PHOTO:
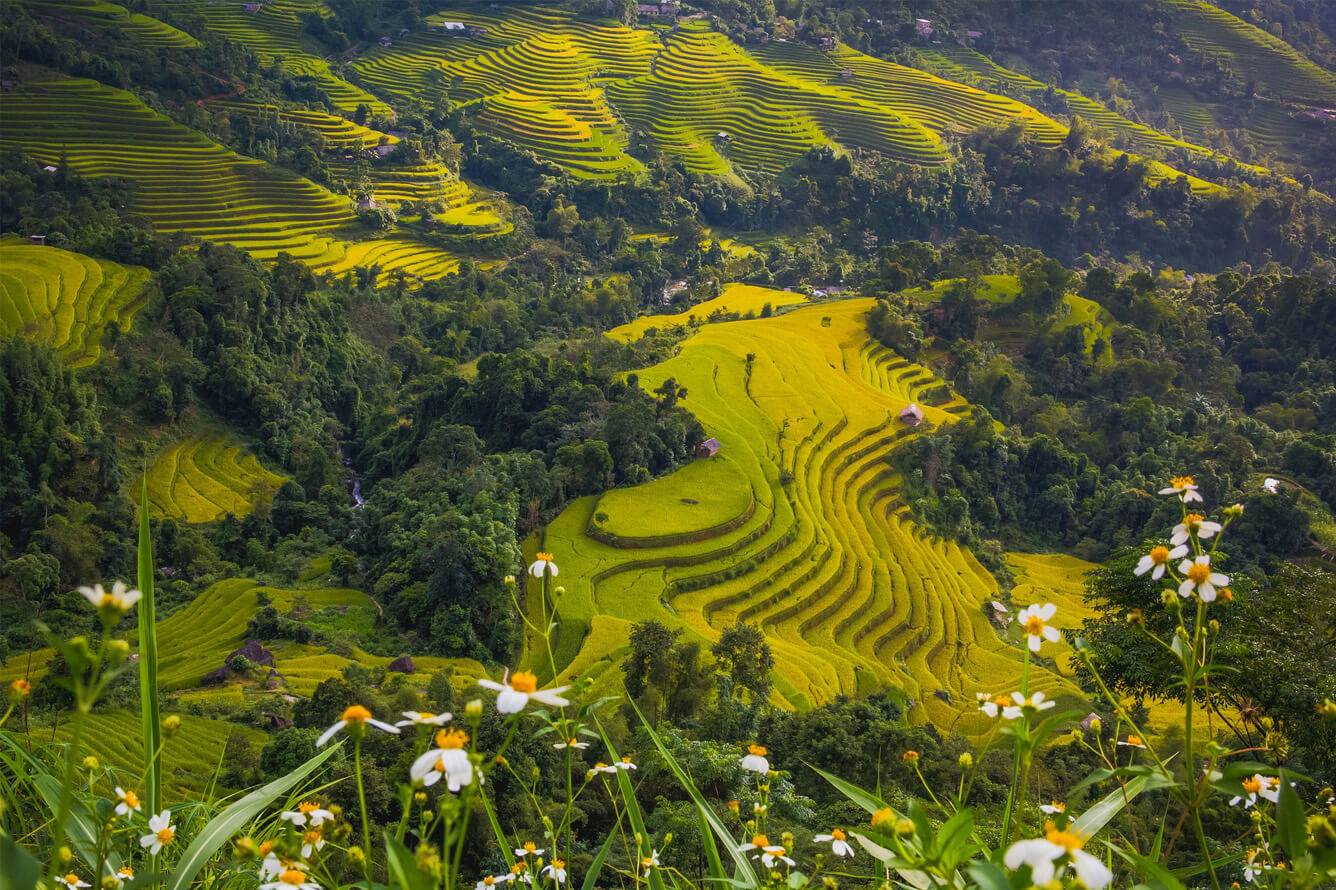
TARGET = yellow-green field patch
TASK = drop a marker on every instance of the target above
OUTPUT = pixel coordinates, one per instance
(739, 299)
(207, 477)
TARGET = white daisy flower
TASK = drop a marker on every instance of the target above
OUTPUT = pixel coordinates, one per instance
(162, 833)
(291, 879)
(355, 719)
(1044, 855)
(1265, 787)
(1033, 620)
(556, 870)
(271, 867)
(1132, 741)
(542, 565)
(127, 802)
(1185, 487)
(121, 597)
(307, 811)
(1195, 524)
(754, 760)
(1022, 704)
(650, 862)
(529, 849)
(991, 706)
(1199, 579)
(424, 718)
(1052, 809)
(774, 854)
(1252, 869)
(448, 759)
(758, 842)
(838, 840)
(490, 881)
(312, 842)
(624, 764)
(521, 687)
(571, 743)
(1157, 560)
(72, 881)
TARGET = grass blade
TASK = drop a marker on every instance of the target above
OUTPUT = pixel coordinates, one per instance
(633, 813)
(596, 867)
(20, 870)
(80, 826)
(222, 827)
(148, 661)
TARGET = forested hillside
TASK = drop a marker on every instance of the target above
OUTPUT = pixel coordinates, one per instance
(787, 443)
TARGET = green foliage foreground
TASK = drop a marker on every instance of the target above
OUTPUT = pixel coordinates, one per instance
(59, 826)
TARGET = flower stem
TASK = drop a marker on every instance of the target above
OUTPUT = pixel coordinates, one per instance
(361, 804)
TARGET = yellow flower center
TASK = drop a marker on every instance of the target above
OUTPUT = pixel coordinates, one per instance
(1192, 520)
(126, 872)
(1001, 701)
(489, 880)
(356, 714)
(1253, 785)
(760, 840)
(1034, 626)
(265, 847)
(307, 807)
(131, 800)
(837, 834)
(558, 863)
(647, 861)
(530, 846)
(21, 686)
(883, 816)
(1225, 594)
(1066, 839)
(453, 738)
(1182, 482)
(294, 876)
(71, 878)
(165, 835)
(108, 599)
(311, 836)
(1059, 806)
(524, 681)
(758, 750)
(910, 757)
(1199, 572)
(1134, 740)
(572, 742)
(1159, 555)
(543, 557)
(626, 760)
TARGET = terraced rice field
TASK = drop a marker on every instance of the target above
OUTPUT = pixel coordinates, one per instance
(103, 17)
(389, 255)
(183, 181)
(190, 759)
(338, 132)
(817, 549)
(207, 477)
(65, 299)
(1277, 68)
(734, 298)
(965, 64)
(197, 639)
(274, 31)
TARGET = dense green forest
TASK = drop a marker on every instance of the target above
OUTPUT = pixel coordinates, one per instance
(315, 327)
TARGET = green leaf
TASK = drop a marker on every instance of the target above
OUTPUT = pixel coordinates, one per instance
(869, 802)
(595, 867)
(81, 827)
(150, 719)
(222, 827)
(989, 876)
(743, 873)
(21, 870)
(1290, 821)
(712, 860)
(1095, 818)
(403, 868)
(633, 813)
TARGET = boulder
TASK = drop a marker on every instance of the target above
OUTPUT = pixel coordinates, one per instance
(254, 652)
(402, 665)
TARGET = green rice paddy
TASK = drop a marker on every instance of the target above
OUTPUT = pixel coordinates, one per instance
(742, 299)
(135, 27)
(65, 300)
(207, 477)
(813, 544)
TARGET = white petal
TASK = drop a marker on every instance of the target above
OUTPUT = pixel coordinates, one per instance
(329, 733)
(1052, 634)
(1206, 592)
(1158, 573)
(1093, 873)
(386, 727)
(1178, 551)
(1218, 579)
(550, 697)
(1144, 566)
(490, 684)
(1034, 644)
(1047, 611)
(509, 701)
(1185, 589)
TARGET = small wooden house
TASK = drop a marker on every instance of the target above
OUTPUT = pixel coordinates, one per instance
(37, 239)
(923, 27)
(709, 448)
(912, 415)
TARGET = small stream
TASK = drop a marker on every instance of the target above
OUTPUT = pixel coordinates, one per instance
(355, 484)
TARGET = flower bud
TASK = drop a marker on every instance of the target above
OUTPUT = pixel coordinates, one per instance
(966, 760)
(90, 762)
(830, 883)
(19, 689)
(733, 806)
(1233, 511)
(1213, 626)
(558, 591)
(111, 882)
(1168, 598)
(335, 809)
(904, 828)
(244, 847)
(509, 581)
(171, 724)
(1225, 594)
(1327, 709)
(667, 838)
(64, 855)
(356, 856)
(473, 710)
(420, 798)
(117, 651)
(1136, 616)
(910, 757)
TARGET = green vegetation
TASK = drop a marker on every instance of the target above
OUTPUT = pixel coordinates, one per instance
(207, 477)
(143, 30)
(66, 300)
